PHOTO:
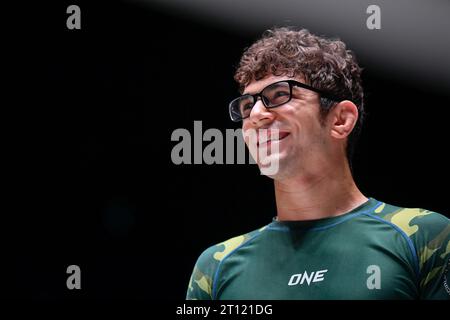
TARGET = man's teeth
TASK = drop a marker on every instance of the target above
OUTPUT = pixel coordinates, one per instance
(271, 139)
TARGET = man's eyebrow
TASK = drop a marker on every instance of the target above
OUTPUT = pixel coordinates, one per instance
(253, 92)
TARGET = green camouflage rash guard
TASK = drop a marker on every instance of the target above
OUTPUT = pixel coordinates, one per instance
(376, 251)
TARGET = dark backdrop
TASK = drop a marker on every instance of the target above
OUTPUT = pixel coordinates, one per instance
(93, 182)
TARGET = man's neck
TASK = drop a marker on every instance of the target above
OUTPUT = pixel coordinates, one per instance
(331, 193)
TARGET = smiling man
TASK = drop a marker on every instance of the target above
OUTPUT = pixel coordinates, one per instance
(328, 240)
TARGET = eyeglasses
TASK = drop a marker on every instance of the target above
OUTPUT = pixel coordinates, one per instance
(272, 96)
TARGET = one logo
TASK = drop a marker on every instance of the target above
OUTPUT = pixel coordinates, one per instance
(300, 278)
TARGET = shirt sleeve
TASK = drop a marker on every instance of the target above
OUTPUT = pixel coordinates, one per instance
(432, 241)
(201, 280)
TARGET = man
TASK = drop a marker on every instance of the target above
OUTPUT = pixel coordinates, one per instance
(328, 240)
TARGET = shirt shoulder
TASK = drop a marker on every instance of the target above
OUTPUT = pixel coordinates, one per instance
(422, 226)
(202, 278)
(429, 233)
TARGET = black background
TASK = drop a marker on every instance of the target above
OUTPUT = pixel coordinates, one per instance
(92, 179)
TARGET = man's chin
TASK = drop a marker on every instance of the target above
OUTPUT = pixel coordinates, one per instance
(278, 168)
(270, 168)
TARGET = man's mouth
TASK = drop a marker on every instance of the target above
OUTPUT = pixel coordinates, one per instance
(267, 139)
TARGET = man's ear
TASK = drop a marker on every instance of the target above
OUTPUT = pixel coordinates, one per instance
(343, 119)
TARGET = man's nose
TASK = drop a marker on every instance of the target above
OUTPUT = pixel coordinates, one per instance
(260, 113)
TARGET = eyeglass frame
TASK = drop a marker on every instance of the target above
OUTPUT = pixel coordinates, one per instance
(291, 84)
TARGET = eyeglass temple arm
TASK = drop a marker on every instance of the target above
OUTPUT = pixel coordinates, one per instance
(322, 93)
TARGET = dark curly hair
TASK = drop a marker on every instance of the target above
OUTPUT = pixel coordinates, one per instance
(324, 64)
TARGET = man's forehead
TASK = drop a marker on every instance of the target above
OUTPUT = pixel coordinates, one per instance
(257, 85)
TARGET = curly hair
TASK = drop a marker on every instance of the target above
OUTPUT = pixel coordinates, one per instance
(323, 63)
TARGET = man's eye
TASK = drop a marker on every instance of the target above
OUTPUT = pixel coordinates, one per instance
(247, 106)
(281, 94)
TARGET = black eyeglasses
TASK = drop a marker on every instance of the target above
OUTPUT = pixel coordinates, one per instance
(272, 96)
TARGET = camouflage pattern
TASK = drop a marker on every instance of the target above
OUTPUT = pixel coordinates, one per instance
(200, 284)
(414, 246)
(430, 234)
